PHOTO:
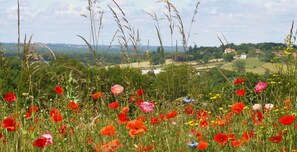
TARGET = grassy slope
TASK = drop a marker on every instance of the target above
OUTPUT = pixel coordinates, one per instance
(253, 65)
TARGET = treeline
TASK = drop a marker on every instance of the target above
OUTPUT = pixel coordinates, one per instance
(264, 51)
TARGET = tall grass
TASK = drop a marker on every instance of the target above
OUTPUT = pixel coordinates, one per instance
(127, 34)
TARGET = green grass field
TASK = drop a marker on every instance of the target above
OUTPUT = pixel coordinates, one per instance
(253, 65)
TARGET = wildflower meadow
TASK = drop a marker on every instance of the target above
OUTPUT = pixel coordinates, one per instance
(135, 122)
(62, 104)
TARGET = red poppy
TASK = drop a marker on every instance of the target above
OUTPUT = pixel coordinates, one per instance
(71, 132)
(10, 97)
(228, 116)
(257, 117)
(123, 118)
(202, 114)
(287, 108)
(221, 122)
(63, 129)
(222, 139)
(111, 146)
(162, 117)
(288, 102)
(72, 105)
(114, 105)
(231, 136)
(238, 81)
(199, 135)
(171, 114)
(142, 118)
(90, 140)
(136, 127)
(10, 124)
(282, 132)
(58, 90)
(108, 131)
(55, 115)
(287, 120)
(0, 135)
(275, 139)
(237, 107)
(202, 145)
(132, 98)
(154, 120)
(241, 92)
(36, 120)
(203, 123)
(189, 110)
(143, 148)
(28, 115)
(247, 135)
(33, 109)
(139, 101)
(97, 95)
(125, 110)
(139, 92)
(40, 142)
(236, 143)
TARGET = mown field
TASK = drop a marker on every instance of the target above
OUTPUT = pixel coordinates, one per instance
(253, 65)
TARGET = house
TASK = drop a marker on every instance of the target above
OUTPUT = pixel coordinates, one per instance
(243, 56)
(258, 51)
(229, 50)
(278, 53)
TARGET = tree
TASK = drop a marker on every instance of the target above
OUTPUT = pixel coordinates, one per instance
(252, 53)
(190, 49)
(205, 58)
(266, 56)
(158, 57)
(2, 49)
(228, 57)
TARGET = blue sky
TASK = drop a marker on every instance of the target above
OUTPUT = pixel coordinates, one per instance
(241, 21)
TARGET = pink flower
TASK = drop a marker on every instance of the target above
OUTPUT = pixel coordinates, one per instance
(117, 89)
(48, 137)
(147, 107)
(257, 107)
(260, 86)
(44, 140)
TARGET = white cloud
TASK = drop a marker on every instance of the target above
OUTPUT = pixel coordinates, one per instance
(239, 20)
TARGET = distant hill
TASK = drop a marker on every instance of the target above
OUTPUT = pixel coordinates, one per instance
(60, 48)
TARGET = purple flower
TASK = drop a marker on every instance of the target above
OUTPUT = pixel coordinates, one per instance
(192, 144)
